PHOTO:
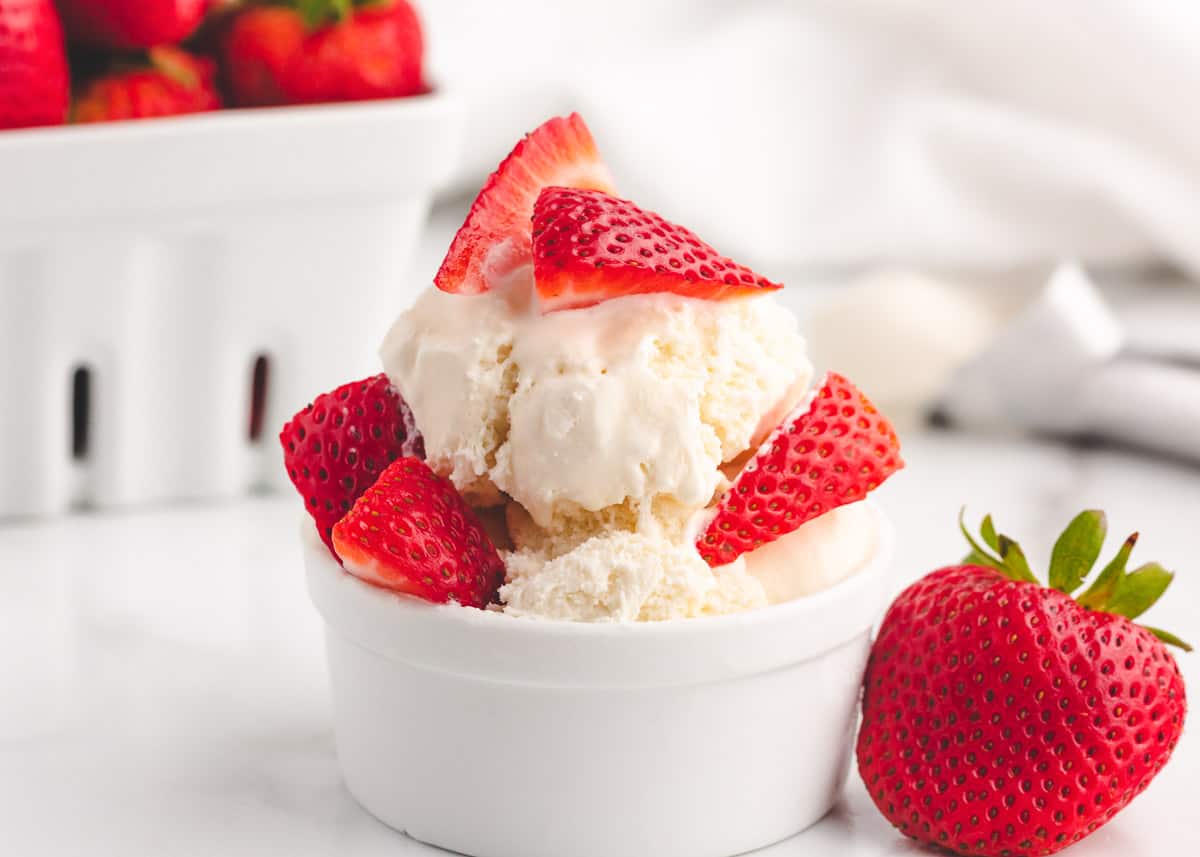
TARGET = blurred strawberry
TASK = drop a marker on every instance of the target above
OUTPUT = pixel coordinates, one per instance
(131, 24)
(308, 51)
(33, 65)
(173, 83)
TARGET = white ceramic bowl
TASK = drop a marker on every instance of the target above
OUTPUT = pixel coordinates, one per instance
(161, 259)
(502, 737)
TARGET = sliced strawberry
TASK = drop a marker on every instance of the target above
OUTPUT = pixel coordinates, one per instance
(589, 247)
(494, 240)
(826, 453)
(412, 532)
(336, 447)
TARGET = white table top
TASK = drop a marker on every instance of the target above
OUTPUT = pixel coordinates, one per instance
(162, 685)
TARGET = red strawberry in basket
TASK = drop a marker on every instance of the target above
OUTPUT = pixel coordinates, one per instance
(335, 448)
(589, 247)
(174, 83)
(328, 50)
(829, 452)
(495, 239)
(131, 24)
(1002, 717)
(33, 66)
(412, 532)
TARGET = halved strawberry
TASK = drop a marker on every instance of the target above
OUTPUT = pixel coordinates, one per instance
(494, 239)
(589, 247)
(828, 452)
(336, 447)
(412, 532)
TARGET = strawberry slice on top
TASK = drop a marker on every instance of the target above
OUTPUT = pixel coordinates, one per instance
(494, 239)
(827, 453)
(412, 532)
(590, 247)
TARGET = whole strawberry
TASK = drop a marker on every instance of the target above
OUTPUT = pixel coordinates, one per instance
(131, 24)
(335, 448)
(1005, 718)
(172, 83)
(830, 451)
(33, 66)
(311, 51)
(412, 532)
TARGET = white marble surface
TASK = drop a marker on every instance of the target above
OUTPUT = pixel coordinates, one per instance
(162, 688)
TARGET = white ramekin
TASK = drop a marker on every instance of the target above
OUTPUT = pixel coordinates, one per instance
(502, 737)
(169, 261)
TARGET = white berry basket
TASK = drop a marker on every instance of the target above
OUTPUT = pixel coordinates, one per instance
(496, 736)
(171, 291)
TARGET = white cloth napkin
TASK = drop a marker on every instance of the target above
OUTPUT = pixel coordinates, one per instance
(1068, 366)
(810, 135)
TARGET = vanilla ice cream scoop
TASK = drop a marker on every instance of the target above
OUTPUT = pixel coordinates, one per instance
(605, 433)
(632, 399)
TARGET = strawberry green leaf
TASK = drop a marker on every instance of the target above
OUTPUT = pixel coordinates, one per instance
(1015, 561)
(988, 530)
(1011, 560)
(977, 558)
(1168, 638)
(1077, 550)
(978, 554)
(1138, 590)
(1105, 585)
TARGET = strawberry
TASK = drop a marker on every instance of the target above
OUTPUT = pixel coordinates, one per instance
(330, 50)
(131, 24)
(33, 65)
(1001, 717)
(830, 451)
(336, 447)
(590, 247)
(495, 238)
(412, 532)
(174, 83)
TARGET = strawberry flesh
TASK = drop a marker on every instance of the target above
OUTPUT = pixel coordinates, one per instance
(412, 532)
(336, 447)
(827, 453)
(494, 240)
(589, 247)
